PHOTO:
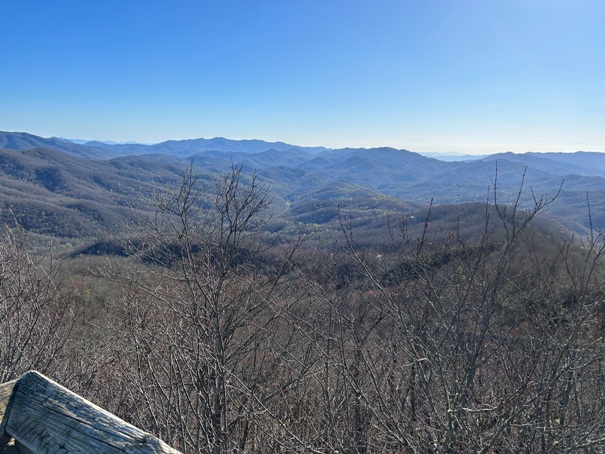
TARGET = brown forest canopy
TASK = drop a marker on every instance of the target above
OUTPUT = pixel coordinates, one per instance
(475, 328)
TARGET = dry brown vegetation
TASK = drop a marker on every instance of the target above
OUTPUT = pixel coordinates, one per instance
(478, 336)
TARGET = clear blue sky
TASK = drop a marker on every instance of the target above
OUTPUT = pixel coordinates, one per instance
(477, 76)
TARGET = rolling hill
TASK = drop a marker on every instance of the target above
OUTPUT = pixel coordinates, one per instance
(58, 188)
(25, 141)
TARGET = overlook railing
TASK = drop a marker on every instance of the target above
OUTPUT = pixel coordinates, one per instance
(38, 416)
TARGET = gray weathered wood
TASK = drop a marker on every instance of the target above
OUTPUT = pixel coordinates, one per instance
(45, 417)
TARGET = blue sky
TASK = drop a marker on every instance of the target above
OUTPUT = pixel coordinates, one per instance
(478, 76)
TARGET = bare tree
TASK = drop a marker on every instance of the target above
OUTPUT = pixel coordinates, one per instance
(202, 316)
(491, 343)
(479, 338)
(36, 316)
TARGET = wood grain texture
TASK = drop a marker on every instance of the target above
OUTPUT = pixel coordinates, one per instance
(45, 418)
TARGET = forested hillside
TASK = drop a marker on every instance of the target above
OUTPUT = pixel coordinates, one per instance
(63, 193)
(312, 301)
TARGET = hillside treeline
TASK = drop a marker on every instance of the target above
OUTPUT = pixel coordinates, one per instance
(482, 335)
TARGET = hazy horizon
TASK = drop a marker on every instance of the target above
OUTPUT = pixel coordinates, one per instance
(429, 153)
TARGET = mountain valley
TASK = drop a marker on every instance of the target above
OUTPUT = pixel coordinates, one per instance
(82, 192)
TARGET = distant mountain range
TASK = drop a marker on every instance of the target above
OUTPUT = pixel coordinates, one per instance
(60, 188)
(108, 150)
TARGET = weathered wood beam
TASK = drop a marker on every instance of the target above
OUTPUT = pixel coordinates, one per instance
(44, 417)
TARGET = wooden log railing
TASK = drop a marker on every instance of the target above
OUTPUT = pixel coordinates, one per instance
(38, 416)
